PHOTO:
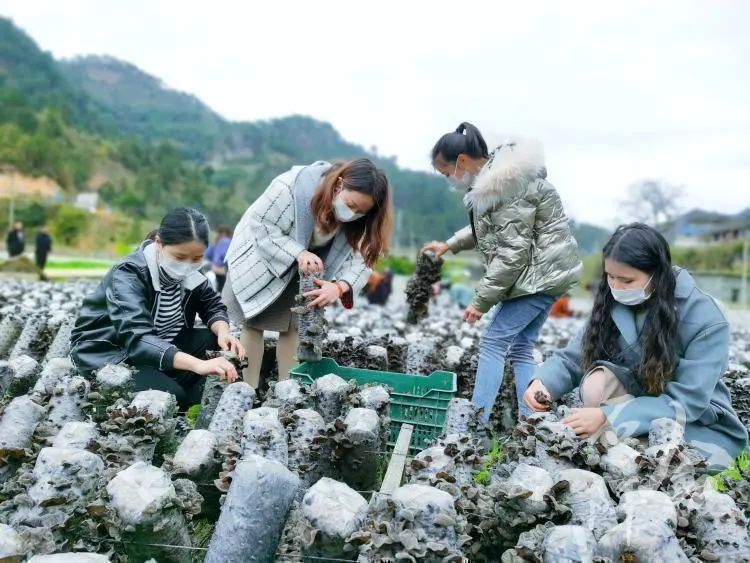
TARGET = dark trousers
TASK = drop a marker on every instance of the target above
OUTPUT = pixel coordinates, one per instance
(41, 260)
(186, 386)
(220, 281)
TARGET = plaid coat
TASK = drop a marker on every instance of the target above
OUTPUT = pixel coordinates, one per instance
(274, 230)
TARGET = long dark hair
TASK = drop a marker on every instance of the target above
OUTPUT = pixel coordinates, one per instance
(371, 234)
(182, 224)
(645, 249)
(466, 139)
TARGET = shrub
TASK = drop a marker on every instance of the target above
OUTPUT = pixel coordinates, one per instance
(70, 224)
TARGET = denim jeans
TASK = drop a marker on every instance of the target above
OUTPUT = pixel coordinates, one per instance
(511, 334)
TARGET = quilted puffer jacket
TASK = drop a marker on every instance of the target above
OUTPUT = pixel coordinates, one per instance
(519, 227)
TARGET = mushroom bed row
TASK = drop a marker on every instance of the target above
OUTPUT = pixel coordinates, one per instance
(92, 471)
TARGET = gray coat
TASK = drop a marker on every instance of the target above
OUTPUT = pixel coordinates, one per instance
(696, 395)
(274, 230)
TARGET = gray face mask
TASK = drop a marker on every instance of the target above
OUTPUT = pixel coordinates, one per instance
(632, 297)
(177, 270)
(463, 183)
(343, 212)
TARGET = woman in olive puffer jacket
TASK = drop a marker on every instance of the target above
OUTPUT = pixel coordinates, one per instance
(519, 227)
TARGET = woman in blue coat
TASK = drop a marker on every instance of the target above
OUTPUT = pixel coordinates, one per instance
(655, 346)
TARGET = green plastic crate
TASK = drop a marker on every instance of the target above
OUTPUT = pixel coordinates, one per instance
(421, 400)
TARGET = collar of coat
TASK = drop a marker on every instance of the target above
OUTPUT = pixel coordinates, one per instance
(149, 253)
(306, 182)
(510, 168)
(625, 318)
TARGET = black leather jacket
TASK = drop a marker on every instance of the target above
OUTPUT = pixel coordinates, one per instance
(116, 322)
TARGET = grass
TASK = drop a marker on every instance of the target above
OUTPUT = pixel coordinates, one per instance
(739, 471)
(192, 415)
(494, 456)
(456, 270)
(400, 265)
(202, 530)
(20, 265)
(461, 270)
(482, 477)
(456, 273)
(77, 264)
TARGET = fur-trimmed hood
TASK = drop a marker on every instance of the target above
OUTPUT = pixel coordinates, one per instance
(511, 167)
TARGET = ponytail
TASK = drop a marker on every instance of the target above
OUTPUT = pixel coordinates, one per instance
(466, 139)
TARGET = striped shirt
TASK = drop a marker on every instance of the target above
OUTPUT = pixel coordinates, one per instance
(169, 318)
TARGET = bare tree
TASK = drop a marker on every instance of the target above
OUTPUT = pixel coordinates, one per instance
(654, 202)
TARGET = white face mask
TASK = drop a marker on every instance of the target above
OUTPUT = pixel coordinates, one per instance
(631, 297)
(463, 183)
(176, 269)
(343, 212)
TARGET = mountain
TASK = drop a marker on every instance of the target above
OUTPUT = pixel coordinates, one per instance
(144, 107)
(140, 105)
(244, 157)
(96, 122)
(34, 76)
(591, 239)
(699, 223)
(147, 109)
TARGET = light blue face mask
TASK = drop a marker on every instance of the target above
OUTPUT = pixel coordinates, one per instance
(632, 297)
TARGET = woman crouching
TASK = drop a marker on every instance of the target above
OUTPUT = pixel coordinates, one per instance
(656, 346)
(143, 314)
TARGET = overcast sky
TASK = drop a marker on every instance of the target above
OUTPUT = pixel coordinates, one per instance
(616, 92)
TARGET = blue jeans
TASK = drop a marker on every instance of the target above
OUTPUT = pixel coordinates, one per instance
(511, 333)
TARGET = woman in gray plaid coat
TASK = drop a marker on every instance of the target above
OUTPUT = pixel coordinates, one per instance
(331, 220)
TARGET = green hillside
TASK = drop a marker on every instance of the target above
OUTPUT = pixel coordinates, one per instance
(99, 123)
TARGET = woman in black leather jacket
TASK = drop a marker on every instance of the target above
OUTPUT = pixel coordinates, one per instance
(143, 314)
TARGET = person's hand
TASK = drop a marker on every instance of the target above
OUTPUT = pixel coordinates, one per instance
(529, 397)
(217, 366)
(439, 248)
(310, 263)
(229, 343)
(472, 314)
(586, 422)
(326, 294)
